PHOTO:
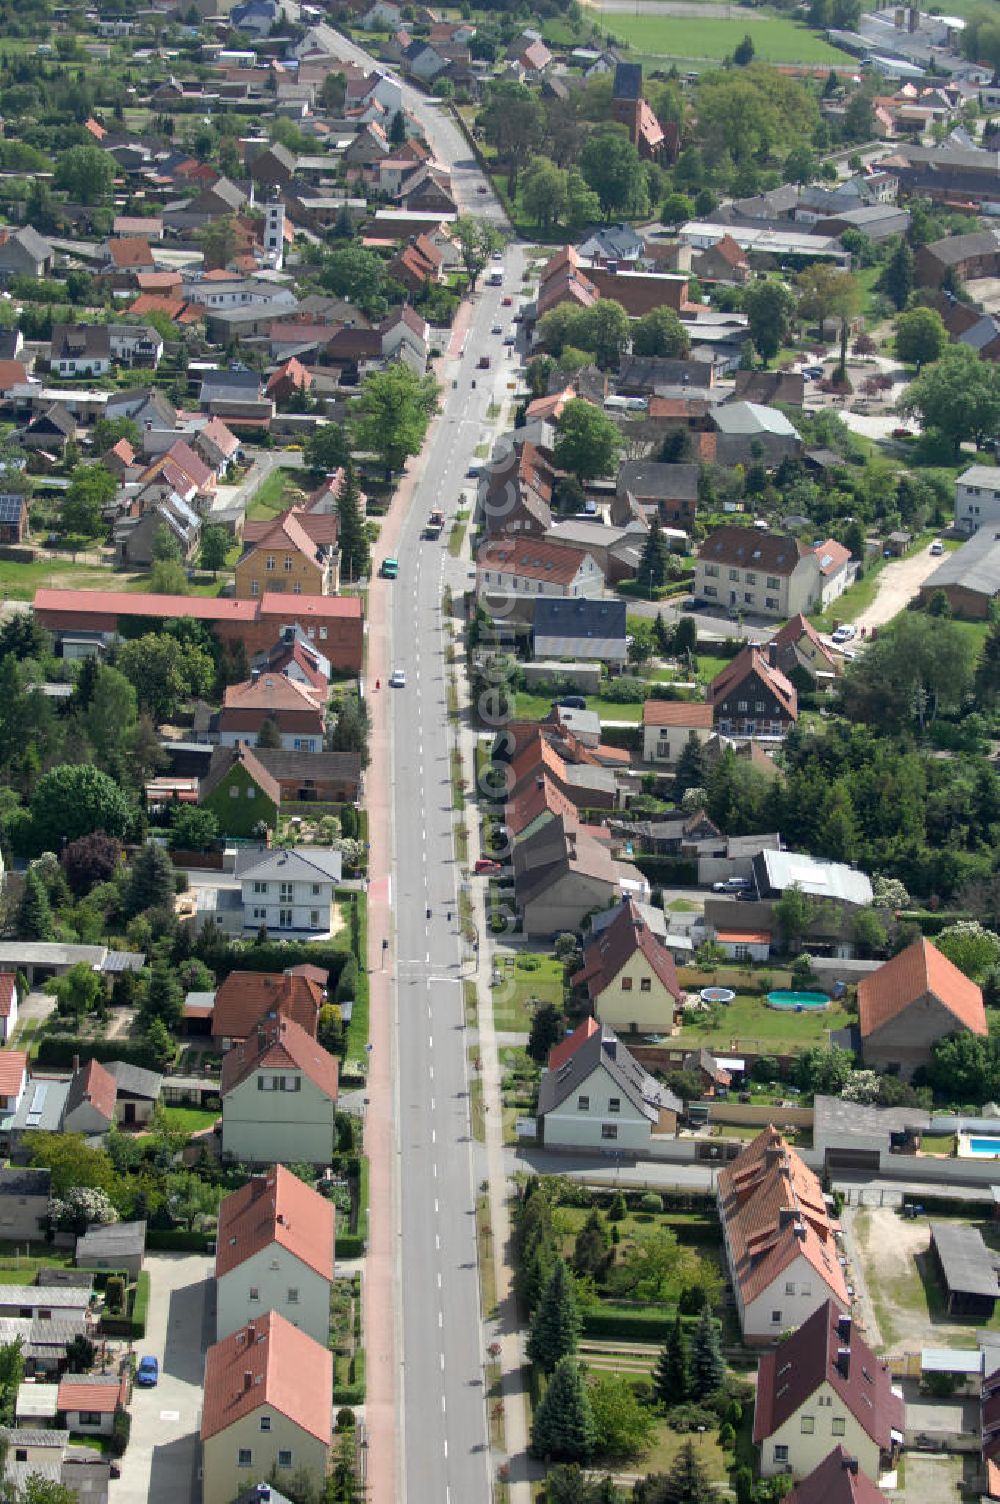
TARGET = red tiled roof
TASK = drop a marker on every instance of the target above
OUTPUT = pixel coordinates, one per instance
(791, 1375)
(103, 1395)
(245, 997)
(13, 1064)
(93, 1084)
(797, 627)
(89, 603)
(831, 556)
(677, 713)
(276, 1207)
(837, 1480)
(567, 1048)
(615, 946)
(123, 451)
(920, 968)
(533, 558)
(130, 252)
(293, 371)
(282, 1043)
(12, 373)
(765, 1196)
(8, 993)
(269, 1362)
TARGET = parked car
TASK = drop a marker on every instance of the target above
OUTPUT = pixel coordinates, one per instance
(397, 679)
(573, 702)
(148, 1373)
(732, 885)
(487, 867)
(497, 329)
(507, 302)
(483, 363)
(937, 547)
(846, 633)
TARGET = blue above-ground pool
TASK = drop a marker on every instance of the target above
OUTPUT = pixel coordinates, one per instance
(989, 1147)
(798, 1000)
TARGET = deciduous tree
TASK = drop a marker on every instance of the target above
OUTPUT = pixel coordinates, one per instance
(393, 411)
(661, 332)
(958, 396)
(73, 800)
(589, 441)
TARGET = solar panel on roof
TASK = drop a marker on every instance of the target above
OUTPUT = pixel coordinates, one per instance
(10, 508)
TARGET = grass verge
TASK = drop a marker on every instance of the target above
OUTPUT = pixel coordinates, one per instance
(487, 1269)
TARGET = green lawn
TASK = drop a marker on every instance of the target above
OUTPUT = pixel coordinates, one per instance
(775, 39)
(18, 582)
(529, 707)
(280, 490)
(189, 1119)
(520, 987)
(749, 1018)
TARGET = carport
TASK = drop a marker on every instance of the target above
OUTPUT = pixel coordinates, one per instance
(967, 1269)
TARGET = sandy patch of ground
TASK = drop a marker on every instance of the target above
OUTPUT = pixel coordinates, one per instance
(902, 1284)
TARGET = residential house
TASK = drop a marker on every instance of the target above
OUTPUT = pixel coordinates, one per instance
(910, 1002)
(518, 493)
(838, 1479)
(562, 872)
(969, 578)
(24, 253)
(977, 498)
(24, 1204)
(290, 380)
(779, 1239)
(764, 388)
(279, 1097)
(216, 445)
(667, 492)
(275, 1252)
(136, 345)
(767, 574)
(837, 570)
(137, 1091)
(747, 430)
(616, 550)
(137, 532)
(563, 281)
(406, 336)
(725, 261)
(618, 243)
(42, 1303)
(268, 1409)
(525, 566)
(752, 697)
(245, 998)
(88, 1403)
(630, 976)
(802, 655)
(294, 709)
(668, 726)
(290, 890)
(595, 1095)
(293, 554)
(582, 630)
(90, 1106)
(125, 257)
(49, 431)
(80, 349)
(823, 1387)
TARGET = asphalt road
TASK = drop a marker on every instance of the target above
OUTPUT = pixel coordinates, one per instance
(444, 1428)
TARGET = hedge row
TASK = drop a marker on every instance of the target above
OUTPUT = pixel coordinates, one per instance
(353, 1392)
(666, 870)
(177, 1240)
(132, 1328)
(59, 1050)
(648, 1324)
(278, 955)
(350, 1245)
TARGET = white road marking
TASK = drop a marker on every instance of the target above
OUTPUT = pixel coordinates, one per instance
(440, 1323)
(432, 1104)
(434, 1137)
(439, 1280)
(437, 1206)
(437, 1245)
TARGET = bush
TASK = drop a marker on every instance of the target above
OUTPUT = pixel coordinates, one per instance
(177, 1240)
(743, 1483)
(651, 1202)
(60, 1051)
(140, 1305)
(649, 1324)
(345, 1419)
(121, 1429)
(350, 1245)
(668, 871)
(686, 1418)
(727, 1436)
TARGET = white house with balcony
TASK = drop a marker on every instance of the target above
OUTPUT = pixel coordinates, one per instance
(977, 498)
(291, 892)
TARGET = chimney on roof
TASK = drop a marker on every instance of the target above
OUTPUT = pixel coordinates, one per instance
(281, 1219)
(800, 1231)
(772, 654)
(850, 1465)
(76, 1064)
(258, 1185)
(610, 1044)
(844, 1362)
(787, 1215)
(844, 1329)
(772, 1155)
(247, 1379)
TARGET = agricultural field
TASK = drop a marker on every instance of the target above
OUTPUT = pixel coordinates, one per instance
(775, 39)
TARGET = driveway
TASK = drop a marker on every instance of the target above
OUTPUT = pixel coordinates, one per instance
(928, 1476)
(164, 1455)
(229, 498)
(898, 583)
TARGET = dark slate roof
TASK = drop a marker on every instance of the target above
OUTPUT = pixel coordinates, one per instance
(650, 478)
(604, 1047)
(20, 1182)
(628, 81)
(967, 1264)
(582, 619)
(135, 1081)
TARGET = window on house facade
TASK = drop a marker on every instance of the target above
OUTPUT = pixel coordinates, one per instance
(614, 1104)
(293, 1296)
(297, 588)
(771, 602)
(712, 571)
(609, 1130)
(773, 583)
(808, 1424)
(254, 1292)
(288, 563)
(838, 1426)
(775, 1318)
(255, 587)
(269, 562)
(265, 1423)
(583, 1104)
(646, 984)
(314, 919)
(90, 1417)
(626, 984)
(244, 1457)
(711, 590)
(780, 1453)
(284, 1458)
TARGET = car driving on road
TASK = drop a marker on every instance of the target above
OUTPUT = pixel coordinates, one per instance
(397, 679)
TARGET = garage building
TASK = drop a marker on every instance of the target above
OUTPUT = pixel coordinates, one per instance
(967, 1270)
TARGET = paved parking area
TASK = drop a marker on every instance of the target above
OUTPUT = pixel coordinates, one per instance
(927, 1476)
(163, 1458)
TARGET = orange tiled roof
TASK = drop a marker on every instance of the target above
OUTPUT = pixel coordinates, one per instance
(919, 969)
(269, 1362)
(276, 1207)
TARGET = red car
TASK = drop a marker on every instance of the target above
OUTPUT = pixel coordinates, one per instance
(487, 867)
(507, 302)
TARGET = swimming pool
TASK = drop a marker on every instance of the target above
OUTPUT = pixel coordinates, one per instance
(797, 1000)
(988, 1147)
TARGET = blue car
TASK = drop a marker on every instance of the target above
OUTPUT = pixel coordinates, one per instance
(148, 1373)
